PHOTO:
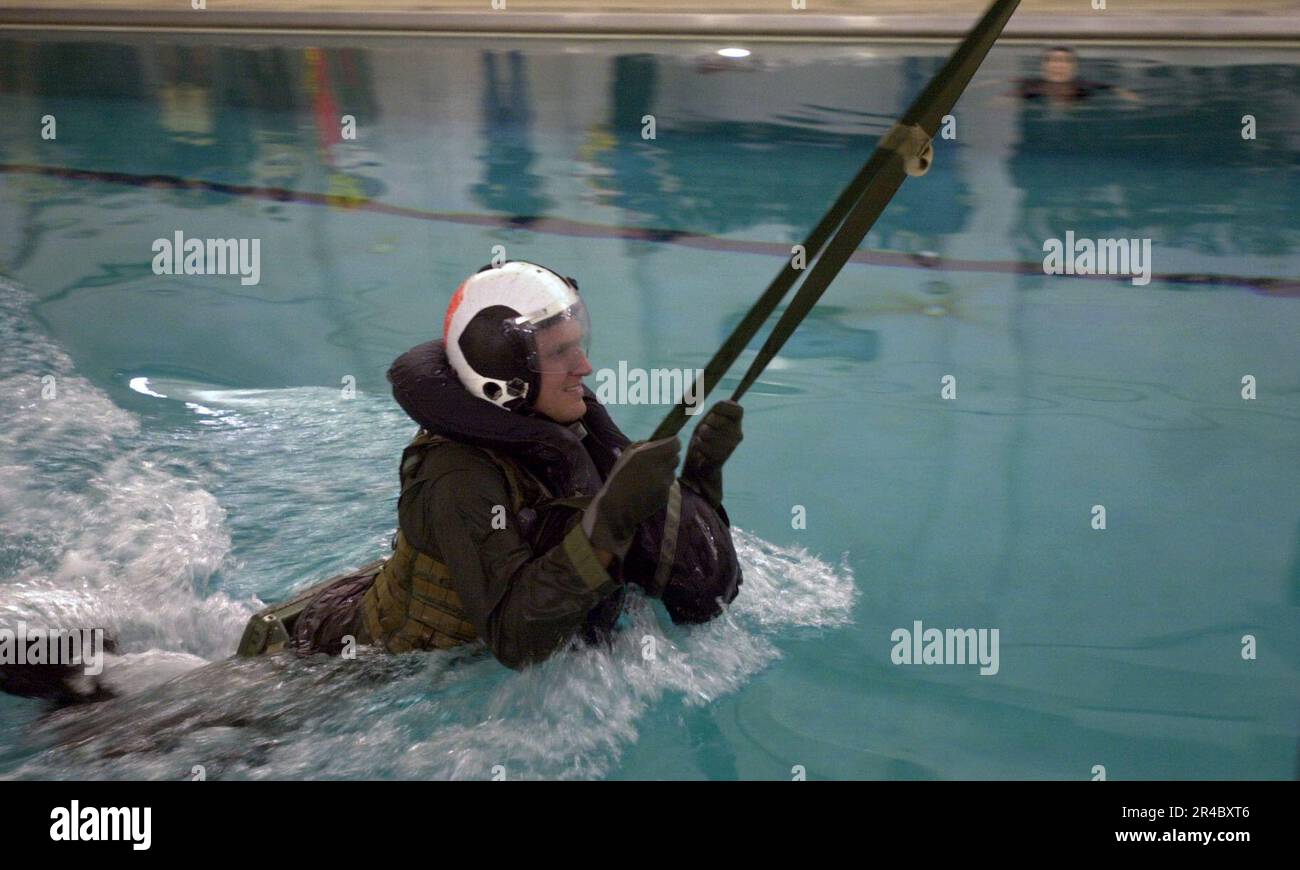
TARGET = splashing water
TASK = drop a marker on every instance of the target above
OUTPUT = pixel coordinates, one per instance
(97, 525)
(445, 714)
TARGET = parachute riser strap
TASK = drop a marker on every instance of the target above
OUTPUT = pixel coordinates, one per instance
(882, 189)
(668, 546)
(909, 142)
(925, 113)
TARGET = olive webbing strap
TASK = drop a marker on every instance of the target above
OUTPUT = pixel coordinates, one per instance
(766, 304)
(925, 113)
(851, 215)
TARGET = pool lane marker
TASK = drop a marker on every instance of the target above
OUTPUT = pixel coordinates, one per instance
(1267, 285)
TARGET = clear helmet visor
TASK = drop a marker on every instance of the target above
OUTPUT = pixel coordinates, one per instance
(558, 340)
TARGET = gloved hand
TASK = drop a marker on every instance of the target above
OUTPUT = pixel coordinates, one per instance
(637, 487)
(712, 443)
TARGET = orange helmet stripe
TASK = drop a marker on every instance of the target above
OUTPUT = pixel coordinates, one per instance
(456, 299)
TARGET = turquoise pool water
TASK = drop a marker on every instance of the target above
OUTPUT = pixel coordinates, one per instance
(198, 455)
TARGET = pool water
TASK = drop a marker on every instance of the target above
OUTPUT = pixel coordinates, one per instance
(177, 450)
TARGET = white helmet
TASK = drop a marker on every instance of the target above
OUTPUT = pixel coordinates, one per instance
(492, 325)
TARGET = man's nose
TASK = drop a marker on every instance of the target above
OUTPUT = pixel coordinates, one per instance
(583, 366)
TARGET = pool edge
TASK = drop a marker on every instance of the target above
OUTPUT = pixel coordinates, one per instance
(1237, 28)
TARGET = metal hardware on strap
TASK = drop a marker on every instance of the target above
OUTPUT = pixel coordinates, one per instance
(911, 143)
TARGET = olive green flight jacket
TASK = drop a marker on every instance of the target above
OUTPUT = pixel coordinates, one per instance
(523, 604)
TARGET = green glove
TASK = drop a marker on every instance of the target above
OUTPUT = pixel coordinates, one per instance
(712, 444)
(637, 488)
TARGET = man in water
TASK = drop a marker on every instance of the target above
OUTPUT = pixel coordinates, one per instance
(524, 511)
(1059, 81)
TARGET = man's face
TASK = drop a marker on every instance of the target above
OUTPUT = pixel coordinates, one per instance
(1059, 67)
(563, 365)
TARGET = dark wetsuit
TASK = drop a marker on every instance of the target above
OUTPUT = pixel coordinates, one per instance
(1069, 92)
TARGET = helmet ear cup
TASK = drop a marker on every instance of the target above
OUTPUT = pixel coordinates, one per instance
(496, 352)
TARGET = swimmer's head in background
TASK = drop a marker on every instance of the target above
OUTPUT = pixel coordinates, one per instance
(492, 328)
(1059, 65)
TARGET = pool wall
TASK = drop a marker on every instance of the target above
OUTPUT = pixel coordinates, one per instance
(1267, 20)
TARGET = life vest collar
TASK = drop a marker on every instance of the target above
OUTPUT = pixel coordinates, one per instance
(571, 461)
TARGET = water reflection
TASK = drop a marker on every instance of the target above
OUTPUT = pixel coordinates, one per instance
(272, 117)
(823, 335)
(1111, 169)
(509, 186)
(217, 112)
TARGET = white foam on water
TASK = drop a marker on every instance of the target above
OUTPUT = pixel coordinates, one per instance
(787, 586)
(135, 672)
(99, 532)
(451, 715)
(141, 385)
